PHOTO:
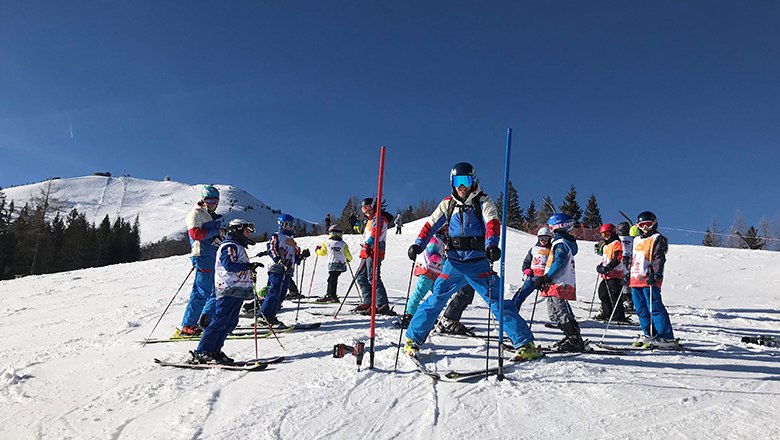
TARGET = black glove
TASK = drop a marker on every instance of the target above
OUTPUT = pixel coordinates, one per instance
(414, 251)
(305, 253)
(542, 282)
(493, 253)
(253, 266)
(653, 278)
(601, 269)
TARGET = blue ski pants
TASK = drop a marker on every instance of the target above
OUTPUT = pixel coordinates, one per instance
(224, 321)
(278, 283)
(454, 276)
(424, 285)
(524, 292)
(662, 326)
(202, 298)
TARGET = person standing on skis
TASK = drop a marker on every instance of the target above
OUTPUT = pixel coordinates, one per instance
(627, 242)
(205, 234)
(611, 270)
(534, 264)
(559, 285)
(474, 229)
(338, 259)
(647, 274)
(427, 268)
(364, 276)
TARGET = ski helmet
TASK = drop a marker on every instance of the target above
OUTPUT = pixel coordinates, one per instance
(335, 231)
(286, 222)
(209, 192)
(622, 228)
(560, 221)
(607, 228)
(544, 231)
(237, 226)
(646, 221)
(462, 173)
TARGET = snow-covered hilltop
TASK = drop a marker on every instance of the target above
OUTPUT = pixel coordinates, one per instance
(161, 206)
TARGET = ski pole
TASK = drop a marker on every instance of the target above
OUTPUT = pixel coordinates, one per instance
(406, 306)
(169, 304)
(354, 281)
(254, 310)
(533, 311)
(298, 306)
(593, 299)
(490, 299)
(311, 283)
(614, 307)
(270, 327)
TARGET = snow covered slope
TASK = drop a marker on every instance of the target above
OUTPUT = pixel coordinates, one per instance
(160, 205)
(73, 368)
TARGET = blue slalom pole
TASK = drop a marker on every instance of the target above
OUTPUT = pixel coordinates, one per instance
(503, 258)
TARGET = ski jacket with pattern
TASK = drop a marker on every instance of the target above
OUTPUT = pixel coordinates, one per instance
(430, 262)
(203, 229)
(284, 251)
(337, 252)
(560, 268)
(649, 256)
(368, 236)
(232, 276)
(612, 259)
(470, 234)
(536, 259)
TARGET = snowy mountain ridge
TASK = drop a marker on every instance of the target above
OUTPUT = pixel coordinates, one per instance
(161, 206)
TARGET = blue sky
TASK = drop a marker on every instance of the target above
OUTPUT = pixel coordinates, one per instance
(667, 106)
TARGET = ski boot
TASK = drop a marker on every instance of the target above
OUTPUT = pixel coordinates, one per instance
(222, 358)
(642, 341)
(327, 299)
(452, 327)
(188, 331)
(411, 348)
(362, 308)
(201, 357)
(666, 344)
(526, 352)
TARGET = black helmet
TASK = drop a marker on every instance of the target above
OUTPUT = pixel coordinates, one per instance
(335, 230)
(368, 201)
(646, 216)
(465, 175)
(622, 228)
(647, 222)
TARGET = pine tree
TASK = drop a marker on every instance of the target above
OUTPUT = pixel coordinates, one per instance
(545, 211)
(712, 236)
(514, 213)
(500, 205)
(592, 218)
(570, 205)
(350, 208)
(752, 240)
(102, 242)
(530, 215)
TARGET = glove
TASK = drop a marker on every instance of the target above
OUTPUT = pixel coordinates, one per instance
(317, 248)
(601, 269)
(493, 253)
(305, 253)
(528, 272)
(653, 278)
(542, 282)
(253, 266)
(414, 251)
(367, 249)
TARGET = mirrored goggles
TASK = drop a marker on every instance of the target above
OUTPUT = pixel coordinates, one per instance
(211, 200)
(466, 181)
(287, 225)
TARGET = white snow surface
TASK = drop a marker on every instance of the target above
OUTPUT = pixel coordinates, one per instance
(161, 206)
(73, 367)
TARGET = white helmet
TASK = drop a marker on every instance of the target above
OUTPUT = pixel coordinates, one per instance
(544, 231)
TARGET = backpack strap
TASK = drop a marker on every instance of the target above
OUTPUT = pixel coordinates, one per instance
(477, 209)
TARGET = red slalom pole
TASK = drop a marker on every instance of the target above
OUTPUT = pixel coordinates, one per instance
(375, 266)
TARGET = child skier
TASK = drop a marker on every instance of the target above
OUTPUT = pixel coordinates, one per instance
(474, 230)
(534, 264)
(233, 286)
(559, 283)
(627, 241)
(364, 276)
(427, 268)
(204, 231)
(647, 272)
(338, 258)
(285, 253)
(611, 270)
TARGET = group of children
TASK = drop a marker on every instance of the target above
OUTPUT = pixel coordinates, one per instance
(453, 255)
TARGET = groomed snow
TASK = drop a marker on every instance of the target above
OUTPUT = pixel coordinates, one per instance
(72, 367)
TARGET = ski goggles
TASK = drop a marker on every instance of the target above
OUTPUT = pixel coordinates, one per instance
(544, 238)
(466, 181)
(287, 226)
(250, 227)
(645, 226)
(211, 200)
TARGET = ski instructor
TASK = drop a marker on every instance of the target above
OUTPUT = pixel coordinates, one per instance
(474, 230)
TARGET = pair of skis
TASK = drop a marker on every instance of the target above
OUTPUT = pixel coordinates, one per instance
(240, 332)
(248, 365)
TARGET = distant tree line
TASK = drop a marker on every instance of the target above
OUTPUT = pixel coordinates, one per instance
(743, 236)
(31, 244)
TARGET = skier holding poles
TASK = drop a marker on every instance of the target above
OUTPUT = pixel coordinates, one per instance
(474, 230)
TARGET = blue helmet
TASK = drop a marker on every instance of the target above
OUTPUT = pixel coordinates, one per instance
(560, 221)
(209, 192)
(286, 222)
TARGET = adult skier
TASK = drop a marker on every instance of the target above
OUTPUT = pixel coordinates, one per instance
(364, 276)
(234, 285)
(399, 223)
(627, 241)
(338, 259)
(534, 264)
(559, 285)
(427, 268)
(647, 273)
(205, 234)
(286, 254)
(611, 270)
(474, 229)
